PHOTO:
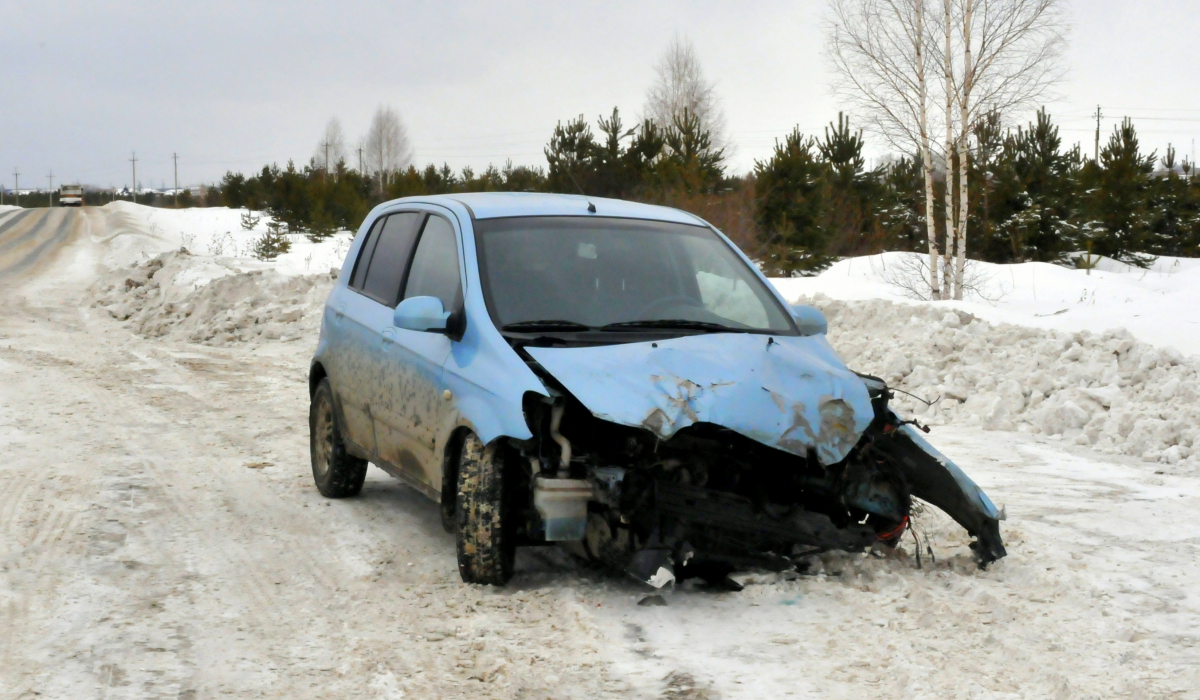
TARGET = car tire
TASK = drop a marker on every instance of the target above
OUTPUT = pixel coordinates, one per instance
(337, 473)
(483, 530)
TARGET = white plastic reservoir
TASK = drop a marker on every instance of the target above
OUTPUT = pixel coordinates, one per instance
(562, 505)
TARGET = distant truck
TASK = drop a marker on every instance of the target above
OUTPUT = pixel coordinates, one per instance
(70, 196)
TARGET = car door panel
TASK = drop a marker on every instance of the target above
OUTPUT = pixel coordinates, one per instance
(357, 365)
(349, 361)
(408, 404)
(410, 407)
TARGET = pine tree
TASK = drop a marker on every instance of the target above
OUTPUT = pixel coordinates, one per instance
(570, 153)
(901, 208)
(790, 211)
(1038, 181)
(1173, 212)
(1118, 223)
(249, 221)
(690, 162)
(273, 243)
(850, 191)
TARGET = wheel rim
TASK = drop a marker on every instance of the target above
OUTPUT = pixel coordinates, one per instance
(323, 436)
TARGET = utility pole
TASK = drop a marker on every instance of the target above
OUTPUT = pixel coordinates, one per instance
(360, 168)
(175, 157)
(17, 186)
(134, 161)
(325, 145)
(50, 177)
(1097, 156)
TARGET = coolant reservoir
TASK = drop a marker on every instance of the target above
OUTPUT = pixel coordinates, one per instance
(562, 506)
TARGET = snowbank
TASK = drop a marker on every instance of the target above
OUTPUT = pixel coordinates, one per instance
(1106, 390)
(1159, 306)
(213, 301)
(218, 232)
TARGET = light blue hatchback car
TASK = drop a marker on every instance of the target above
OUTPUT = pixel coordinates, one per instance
(554, 368)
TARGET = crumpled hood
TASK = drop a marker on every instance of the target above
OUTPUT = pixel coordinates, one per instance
(792, 393)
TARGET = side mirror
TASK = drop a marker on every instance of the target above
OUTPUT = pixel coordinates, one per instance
(810, 320)
(421, 314)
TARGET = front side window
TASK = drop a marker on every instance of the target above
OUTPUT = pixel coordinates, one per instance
(606, 273)
(385, 270)
(434, 271)
(364, 254)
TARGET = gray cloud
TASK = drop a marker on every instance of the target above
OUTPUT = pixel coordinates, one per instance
(234, 85)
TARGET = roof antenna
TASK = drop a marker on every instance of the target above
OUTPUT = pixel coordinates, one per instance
(591, 207)
(575, 182)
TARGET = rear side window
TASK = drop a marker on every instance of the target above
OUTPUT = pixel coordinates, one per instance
(364, 255)
(385, 271)
(434, 270)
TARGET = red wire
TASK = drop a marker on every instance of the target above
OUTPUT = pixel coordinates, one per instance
(894, 532)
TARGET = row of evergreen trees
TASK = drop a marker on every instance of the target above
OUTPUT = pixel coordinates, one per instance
(813, 200)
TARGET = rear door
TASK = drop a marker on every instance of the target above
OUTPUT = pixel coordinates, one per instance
(409, 407)
(365, 315)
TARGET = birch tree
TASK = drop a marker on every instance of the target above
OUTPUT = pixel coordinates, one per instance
(386, 146)
(1008, 57)
(680, 89)
(978, 57)
(881, 49)
(331, 149)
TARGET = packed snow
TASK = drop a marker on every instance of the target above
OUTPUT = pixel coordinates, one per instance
(163, 537)
(1159, 305)
(214, 301)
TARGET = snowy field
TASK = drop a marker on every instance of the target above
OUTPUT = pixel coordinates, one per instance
(161, 535)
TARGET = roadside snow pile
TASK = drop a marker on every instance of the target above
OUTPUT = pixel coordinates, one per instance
(220, 232)
(1160, 305)
(210, 301)
(1105, 390)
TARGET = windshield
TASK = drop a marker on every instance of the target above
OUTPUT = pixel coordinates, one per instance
(605, 273)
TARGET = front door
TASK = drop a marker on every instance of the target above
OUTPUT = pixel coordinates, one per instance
(410, 405)
(370, 298)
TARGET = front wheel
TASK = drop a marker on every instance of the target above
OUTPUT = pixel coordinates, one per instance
(482, 517)
(337, 473)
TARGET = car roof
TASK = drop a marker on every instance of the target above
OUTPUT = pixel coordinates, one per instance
(496, 205)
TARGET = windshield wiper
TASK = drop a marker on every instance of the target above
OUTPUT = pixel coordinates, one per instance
(547, 325)
(671, 324)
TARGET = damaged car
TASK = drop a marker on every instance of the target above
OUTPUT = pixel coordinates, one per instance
(554, 368)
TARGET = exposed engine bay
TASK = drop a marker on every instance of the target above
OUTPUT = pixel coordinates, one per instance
(709, 501)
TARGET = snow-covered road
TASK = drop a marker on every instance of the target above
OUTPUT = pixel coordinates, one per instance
(160, 537)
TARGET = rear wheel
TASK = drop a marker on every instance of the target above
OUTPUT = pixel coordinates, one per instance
(484, 531)
(336, 472)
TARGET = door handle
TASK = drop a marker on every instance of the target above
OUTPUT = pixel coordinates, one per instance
(388, 338)
(340, 311)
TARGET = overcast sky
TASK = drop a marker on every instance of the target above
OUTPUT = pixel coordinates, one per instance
(234, 85)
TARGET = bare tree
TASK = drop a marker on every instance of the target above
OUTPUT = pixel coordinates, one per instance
(331, 149)
(993, 55)
(1010, 53)
(386, 146)
(679, 85)
(881, 48)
